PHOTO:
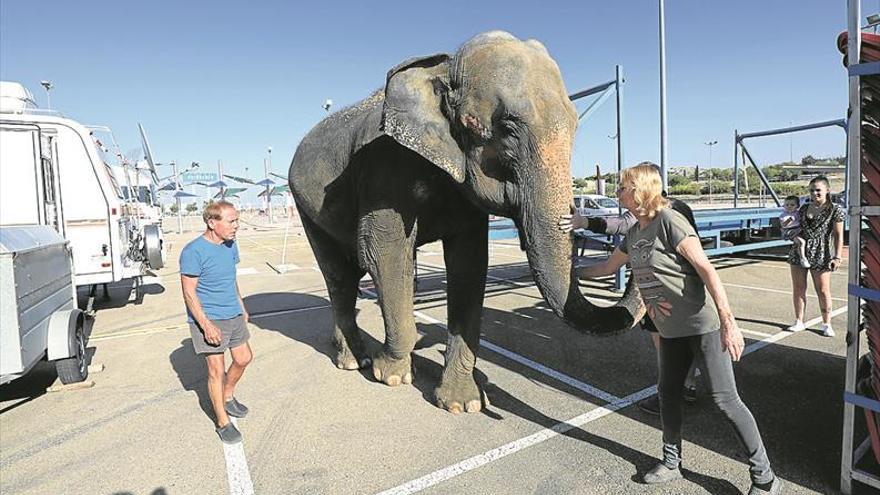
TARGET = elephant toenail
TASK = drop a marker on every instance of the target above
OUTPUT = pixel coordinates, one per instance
(473, 406)
(393, 381)
(378, 374)
(407, 378)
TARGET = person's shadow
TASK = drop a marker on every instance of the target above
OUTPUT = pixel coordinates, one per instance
(193, 374)
(497, 401)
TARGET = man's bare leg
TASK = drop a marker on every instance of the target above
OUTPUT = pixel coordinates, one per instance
(241, 357)
(216, 380)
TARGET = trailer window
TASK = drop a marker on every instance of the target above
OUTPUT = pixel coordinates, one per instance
(19, 166)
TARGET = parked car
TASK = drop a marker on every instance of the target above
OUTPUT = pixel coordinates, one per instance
(596, 205)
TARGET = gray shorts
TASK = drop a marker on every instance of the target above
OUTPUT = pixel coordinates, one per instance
(234, 332)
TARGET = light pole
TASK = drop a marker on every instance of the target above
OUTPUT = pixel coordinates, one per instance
(663, 175)
(710, 144)
(49, 86)
(268, 164)
(177, 191)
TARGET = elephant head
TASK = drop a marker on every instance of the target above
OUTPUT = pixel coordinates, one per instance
(497, 118)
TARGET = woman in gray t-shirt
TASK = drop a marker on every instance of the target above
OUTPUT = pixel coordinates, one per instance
(674, 275)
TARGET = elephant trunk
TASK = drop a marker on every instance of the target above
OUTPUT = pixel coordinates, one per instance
(549, 253)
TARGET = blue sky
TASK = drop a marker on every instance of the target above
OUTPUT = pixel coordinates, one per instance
(225, 80)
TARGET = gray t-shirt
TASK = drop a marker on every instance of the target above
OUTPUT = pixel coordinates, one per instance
(673, 292)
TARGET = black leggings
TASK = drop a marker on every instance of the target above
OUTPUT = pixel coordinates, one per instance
(676, 356)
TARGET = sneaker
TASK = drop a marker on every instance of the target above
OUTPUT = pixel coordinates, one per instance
(797, 327)
(827, 330)
(772, 488)
(229, 433)
(235, 408)
(805, 263)
(651, 405)
(690, 394)
(662, 474)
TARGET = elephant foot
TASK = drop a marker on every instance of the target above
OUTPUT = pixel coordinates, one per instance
(347, 359)
(459, 395)
(393, 372)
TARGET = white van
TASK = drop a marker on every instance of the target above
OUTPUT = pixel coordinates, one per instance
(52, 173)
(596, 205)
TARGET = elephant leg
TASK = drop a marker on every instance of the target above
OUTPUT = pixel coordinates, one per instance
(342, 275)
(386, 250)
(466, 259)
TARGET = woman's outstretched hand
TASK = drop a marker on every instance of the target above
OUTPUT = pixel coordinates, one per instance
(574, 221)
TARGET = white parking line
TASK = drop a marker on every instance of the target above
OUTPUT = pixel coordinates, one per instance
(505, 450)
(237, 473)
(753, 332)
(246, 271)
(148, 331)
(785, 266)
(262, 246)
(777, 291)
(540, 368)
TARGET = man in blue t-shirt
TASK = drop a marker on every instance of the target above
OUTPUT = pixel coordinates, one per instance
(215, 312)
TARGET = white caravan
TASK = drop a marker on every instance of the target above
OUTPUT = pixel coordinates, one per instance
(52, 173)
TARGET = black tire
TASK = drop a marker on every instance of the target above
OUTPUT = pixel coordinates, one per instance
(75, 368)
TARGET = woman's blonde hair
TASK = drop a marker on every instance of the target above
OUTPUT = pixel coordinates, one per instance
(644, 181)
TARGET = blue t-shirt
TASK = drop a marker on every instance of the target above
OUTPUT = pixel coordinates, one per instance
(214, 264)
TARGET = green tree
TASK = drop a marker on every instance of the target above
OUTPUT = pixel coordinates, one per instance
(192, 208)
(580, 183)
(678, 180)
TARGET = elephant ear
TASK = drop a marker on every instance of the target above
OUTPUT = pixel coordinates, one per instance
(412, 115)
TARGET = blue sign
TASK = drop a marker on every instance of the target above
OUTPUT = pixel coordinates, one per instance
(191, 177)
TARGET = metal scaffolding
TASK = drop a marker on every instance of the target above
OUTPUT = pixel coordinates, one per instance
(850, 457)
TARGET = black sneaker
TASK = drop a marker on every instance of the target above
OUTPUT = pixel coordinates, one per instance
(235, 408)
(651, 405)
(229, 433)
(690, 394)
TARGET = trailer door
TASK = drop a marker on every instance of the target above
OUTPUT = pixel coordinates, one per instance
(20, 170)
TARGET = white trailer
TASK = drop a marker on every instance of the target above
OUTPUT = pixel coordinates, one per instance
(38, 314)
(52, 173)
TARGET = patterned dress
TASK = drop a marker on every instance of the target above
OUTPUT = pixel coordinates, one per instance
(816, 230)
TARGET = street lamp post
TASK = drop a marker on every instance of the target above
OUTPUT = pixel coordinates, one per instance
(177, 197)
(177, 190)
(710, 144)
(268, 164)
(49, 86)
(663, 150)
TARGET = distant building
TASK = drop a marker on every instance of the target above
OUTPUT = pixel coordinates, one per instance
(814, 169)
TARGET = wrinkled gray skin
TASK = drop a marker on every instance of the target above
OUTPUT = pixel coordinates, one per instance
(449, 140)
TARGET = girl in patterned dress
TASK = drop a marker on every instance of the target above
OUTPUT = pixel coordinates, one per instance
(822, 230)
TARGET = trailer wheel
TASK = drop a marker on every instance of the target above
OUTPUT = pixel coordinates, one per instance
(153, 246)
(74, 369)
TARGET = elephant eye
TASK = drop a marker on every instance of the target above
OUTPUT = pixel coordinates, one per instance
(508, 125)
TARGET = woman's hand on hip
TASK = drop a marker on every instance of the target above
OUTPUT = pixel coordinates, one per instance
(731, 337)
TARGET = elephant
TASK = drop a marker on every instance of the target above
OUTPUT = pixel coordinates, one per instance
(449, 140)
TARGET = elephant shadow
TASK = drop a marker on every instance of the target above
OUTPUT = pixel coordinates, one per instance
(498, 402)
(293, 315)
